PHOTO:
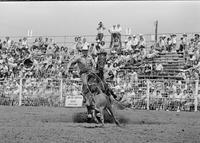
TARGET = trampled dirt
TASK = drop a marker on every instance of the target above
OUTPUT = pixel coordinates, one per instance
(68, 125)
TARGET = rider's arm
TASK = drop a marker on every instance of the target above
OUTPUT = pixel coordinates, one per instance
(72, 63)
(93, 63)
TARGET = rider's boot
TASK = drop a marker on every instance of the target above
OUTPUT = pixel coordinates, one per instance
(89, 112)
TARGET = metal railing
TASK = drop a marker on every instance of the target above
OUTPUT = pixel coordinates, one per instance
(54, 92)
(68, 40)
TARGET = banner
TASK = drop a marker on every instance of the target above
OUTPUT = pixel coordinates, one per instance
(74, 101)
(73, 97)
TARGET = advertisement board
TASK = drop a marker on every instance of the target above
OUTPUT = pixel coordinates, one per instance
(74, 101)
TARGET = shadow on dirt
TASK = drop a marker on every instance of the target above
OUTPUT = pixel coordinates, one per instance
(82, 118)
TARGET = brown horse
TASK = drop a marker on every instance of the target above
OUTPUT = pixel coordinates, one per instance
(102, 102)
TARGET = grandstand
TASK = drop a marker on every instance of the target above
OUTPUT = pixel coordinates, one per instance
(40, 69)
(172, 63)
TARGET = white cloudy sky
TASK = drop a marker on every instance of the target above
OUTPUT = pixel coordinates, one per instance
(69, 18)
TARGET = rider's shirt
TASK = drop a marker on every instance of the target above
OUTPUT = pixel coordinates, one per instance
(85, 64)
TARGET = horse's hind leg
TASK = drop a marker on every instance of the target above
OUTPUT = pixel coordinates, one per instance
(94, 116)
(102, 117)
(109, 109)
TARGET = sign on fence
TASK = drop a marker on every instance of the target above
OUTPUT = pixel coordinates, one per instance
(74, 101)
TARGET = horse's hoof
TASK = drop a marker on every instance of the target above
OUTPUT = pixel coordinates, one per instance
(89, 116)
(102, 125)
(98, 115)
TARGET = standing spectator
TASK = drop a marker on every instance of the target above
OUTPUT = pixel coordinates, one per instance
(0, 44)
(85, 44)
(100, 29)
(181, 46)
(185, 40)
(173, 37)
(162, 43)
(112, 31)
(8, 42)
(77, 46)
(118, 31)
(196, 38)
(93, 51)
(135, 42)
(128, 31)
(25, 42)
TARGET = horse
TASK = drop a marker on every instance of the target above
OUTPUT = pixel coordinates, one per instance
(102, 102)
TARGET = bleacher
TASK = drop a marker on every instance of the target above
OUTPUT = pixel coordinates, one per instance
(172, 65)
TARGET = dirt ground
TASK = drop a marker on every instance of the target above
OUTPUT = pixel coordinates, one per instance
(59, 125)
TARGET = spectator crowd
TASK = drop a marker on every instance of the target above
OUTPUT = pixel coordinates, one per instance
(44, 58)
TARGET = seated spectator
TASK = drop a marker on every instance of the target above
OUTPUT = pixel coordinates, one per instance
(169, 45)
(143, 53)
(85, 44)
(141, 43)
(152, 52)
(181, 46)
(129, 44)
(159, 67)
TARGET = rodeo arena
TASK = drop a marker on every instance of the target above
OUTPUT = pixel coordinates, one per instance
(144, 87)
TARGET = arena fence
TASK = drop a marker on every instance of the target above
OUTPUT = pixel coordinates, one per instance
(140, 94)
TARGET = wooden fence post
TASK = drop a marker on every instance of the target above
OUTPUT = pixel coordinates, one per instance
(147, 94)
(20, 91)
(61, 91)
(196, 95)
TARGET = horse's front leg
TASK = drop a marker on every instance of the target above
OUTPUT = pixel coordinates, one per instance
(109, 110)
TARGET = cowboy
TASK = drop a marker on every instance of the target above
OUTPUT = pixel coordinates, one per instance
(86, 64)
